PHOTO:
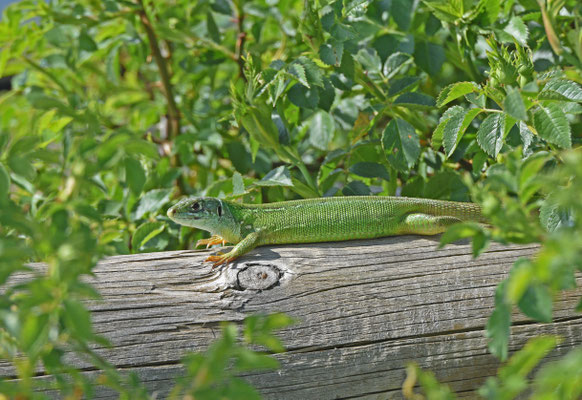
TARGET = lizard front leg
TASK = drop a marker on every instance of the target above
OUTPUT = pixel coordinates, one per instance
(244, 246)
(211, 241)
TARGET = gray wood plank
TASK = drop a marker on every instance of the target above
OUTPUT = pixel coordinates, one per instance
(365, 309)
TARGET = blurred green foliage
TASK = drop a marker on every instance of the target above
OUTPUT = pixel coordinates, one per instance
(116, 108)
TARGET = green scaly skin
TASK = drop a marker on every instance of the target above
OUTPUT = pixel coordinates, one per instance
(316, 220)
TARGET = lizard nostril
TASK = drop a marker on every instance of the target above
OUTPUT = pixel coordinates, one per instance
(171, 212)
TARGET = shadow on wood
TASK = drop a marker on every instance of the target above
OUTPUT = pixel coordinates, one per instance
(365, 308)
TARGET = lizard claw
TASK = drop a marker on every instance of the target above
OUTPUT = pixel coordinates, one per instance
(219, 259)
(211, 241)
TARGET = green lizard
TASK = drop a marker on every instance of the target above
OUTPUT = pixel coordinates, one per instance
(316, 220)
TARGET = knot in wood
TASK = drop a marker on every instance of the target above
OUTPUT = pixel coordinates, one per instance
(258, 277)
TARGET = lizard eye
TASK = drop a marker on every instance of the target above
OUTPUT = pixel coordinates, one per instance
(219, 210)
(195, 207)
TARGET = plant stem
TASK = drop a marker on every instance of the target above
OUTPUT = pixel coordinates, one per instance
(173, 111)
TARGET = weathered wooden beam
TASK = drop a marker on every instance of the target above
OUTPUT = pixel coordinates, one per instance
(365, 308)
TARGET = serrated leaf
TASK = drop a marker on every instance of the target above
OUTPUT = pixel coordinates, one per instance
(490, 134)
(455, 127)
(144, 233)
(456, 90)
(298, 71)
(321, 129)
(134, 175)
(513, 104)
(552, 125)
(452, 125)
(517, 29)
(553, 217)
(277, 177)
(370, 60)
(313, 73)
(394, 63)
(526, 136)
(370, 170)
(561, 89)
(400, 144)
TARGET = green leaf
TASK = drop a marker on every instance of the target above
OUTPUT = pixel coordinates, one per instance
(415, 100)
(455, 127)
(456, 90)
(553, 217)
(429, 384)
(298, 71)
(552, 125)
(213, 31)
(394, 63)
(401, 11)
(465, 230)
(370, 60)
(22, 165)
(561, 89)
(326, 95)
(321, 129)
(278, 177)
(221, 6)
(429, 56)
(452, 125)
(490, 134)
(513, 104)
(4, 185)
(134, 175)
(77, 319)
(449, 11)
(342, 33)
(331, 53)
(303, 97)
(526, 359)
(370, 170)
(402, 85)
(86, 42)
(560, 378)
(536, 303)
(238, 185)
(313, 73)
(401, 144)
(144, 233)
(499, 324)
(152, 202)
(517, 29)
(356, 188)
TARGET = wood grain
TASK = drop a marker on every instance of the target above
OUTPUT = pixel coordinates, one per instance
(365, 309)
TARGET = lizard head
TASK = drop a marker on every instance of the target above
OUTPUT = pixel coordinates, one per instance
(205, 213)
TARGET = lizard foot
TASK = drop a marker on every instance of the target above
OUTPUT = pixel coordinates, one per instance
(219, 259)
(214, 239)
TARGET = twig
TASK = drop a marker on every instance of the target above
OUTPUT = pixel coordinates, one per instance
(173, 111)
(240, 40)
